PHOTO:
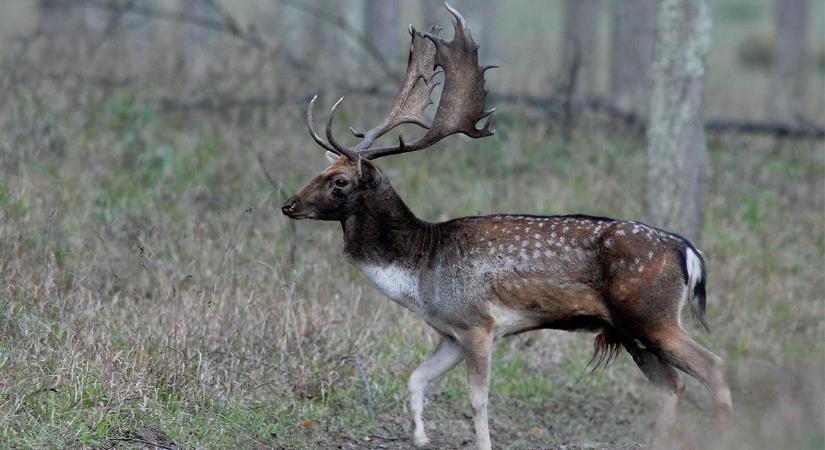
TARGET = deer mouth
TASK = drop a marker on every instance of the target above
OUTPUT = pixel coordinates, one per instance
(291, 208)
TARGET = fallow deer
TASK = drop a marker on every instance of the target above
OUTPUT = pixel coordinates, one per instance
(477, 279)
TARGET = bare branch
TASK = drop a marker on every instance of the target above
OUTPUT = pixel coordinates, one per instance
(551, 105)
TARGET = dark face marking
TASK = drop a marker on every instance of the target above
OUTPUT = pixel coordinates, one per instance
(335, 193)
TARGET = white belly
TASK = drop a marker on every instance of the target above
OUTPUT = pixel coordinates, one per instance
(508, 320)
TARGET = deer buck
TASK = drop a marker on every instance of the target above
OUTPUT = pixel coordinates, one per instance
(477, 279)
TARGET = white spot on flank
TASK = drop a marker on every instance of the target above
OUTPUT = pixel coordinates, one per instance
(649, 255)
(620, 232)
(608, 243)
(565, 229)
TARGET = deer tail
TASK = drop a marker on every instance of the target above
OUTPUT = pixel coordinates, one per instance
(694, 267)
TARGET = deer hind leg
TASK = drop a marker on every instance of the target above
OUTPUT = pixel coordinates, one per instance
(664, 377)
(445, 356)
(680, 350)
(478, 349)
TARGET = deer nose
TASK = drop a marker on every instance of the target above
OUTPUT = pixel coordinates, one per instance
(290, 205)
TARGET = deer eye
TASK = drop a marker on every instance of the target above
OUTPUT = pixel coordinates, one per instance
(340, 182)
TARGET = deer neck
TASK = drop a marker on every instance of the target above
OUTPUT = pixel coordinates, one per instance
(383, 231)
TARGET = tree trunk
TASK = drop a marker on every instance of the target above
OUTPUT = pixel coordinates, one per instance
(787, 93)
(676, 153)
(580, 44)
(196, 52)
(631, 53)
(381, 23)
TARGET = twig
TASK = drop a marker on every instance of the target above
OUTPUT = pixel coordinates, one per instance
(780, 129)
(363, 374)
(275, 183)
(245, 358)
(144, 442)
(552, 105)
(292, 230)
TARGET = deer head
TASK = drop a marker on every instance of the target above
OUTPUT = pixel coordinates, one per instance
(337, 191)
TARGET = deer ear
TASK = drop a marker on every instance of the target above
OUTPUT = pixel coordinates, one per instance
(331, 157)
(367, 171)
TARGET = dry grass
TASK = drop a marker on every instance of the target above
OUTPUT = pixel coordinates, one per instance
(151, 291)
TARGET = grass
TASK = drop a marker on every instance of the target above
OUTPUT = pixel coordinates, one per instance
(151, 290)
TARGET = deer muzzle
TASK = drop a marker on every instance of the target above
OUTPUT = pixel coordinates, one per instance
(290, 207)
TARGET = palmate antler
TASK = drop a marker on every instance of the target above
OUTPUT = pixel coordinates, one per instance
(462, 100)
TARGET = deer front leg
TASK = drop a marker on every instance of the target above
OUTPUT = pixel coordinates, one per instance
(445, 356)
(478, 350)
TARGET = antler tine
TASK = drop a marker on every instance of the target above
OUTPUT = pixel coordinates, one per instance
(340, 149)
(310, 121)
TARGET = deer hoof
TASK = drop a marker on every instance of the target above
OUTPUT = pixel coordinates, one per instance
(421, 440)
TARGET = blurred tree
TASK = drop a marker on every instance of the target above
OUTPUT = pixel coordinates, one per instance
(381, 24)
(580, 44)
(488, 15)
(197, 43)
(194, 36)
(56, 17)
(631, 52)
(786, 97)
(676, 153)
(432, 13)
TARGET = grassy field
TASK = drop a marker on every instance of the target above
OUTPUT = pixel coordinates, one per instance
(151, 291)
